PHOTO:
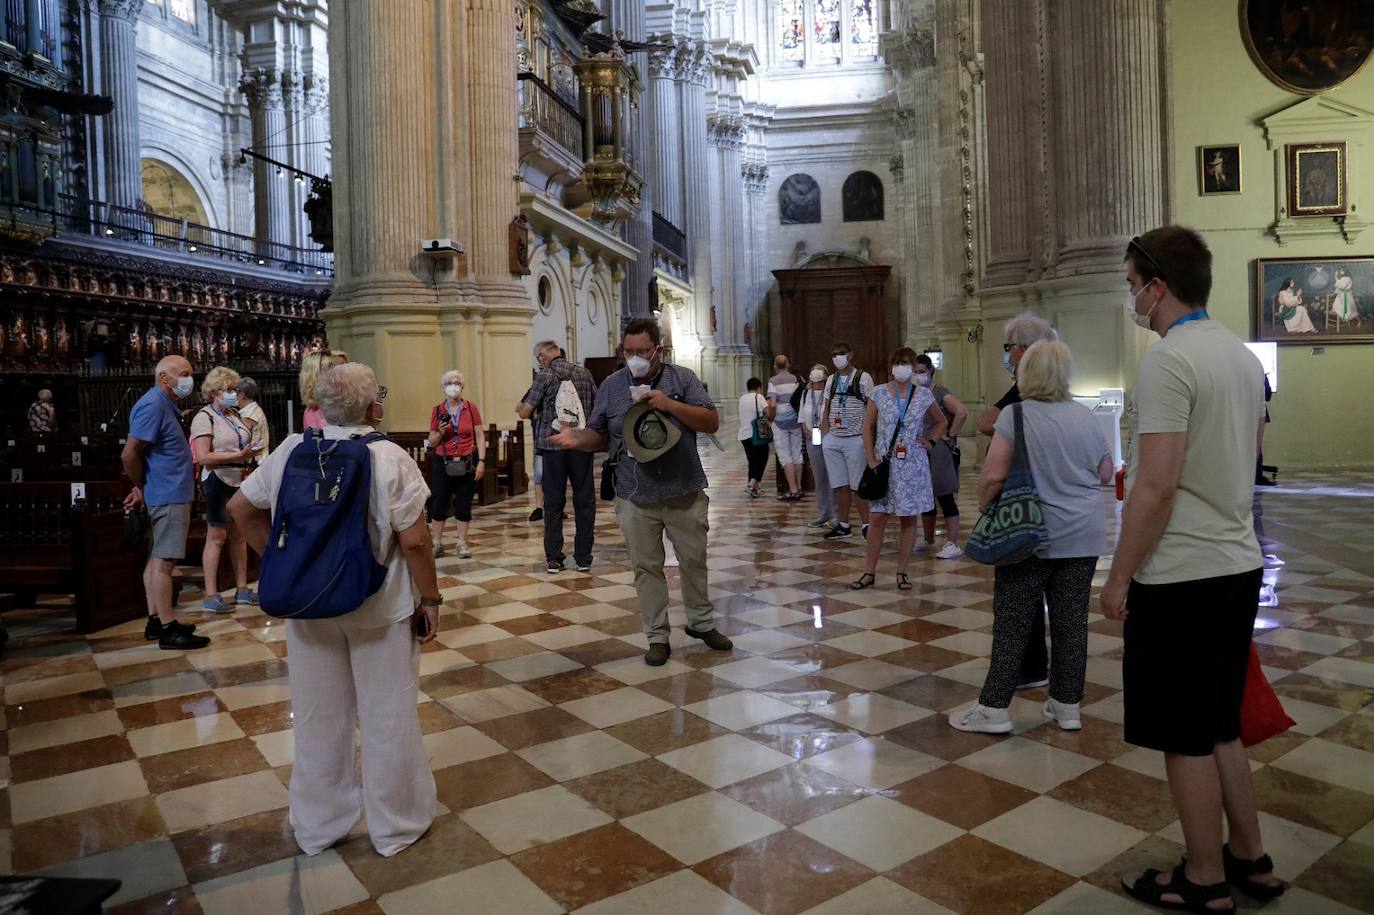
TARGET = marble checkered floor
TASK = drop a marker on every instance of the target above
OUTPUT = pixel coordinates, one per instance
(809, 770)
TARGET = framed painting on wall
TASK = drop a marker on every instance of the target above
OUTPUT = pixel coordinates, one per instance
(1316, 179)
(1314, 301)
(1309, 47)
(1218, 169)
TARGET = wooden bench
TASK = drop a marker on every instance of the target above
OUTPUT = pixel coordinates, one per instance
(48, 545)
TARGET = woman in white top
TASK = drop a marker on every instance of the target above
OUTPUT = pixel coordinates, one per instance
(1292, 311)
(753, 406)
(809, 412)
(1343, 303)
(252, 413)
(223, 446)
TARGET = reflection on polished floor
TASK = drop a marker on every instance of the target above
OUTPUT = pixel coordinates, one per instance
(809, 770)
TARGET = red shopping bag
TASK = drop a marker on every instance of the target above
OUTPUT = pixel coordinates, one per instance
(1261, 714)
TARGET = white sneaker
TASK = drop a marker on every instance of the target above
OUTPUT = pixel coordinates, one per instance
(463, 550)
(982, 719)
(921, 545)
(1066, 715)
(949, 551)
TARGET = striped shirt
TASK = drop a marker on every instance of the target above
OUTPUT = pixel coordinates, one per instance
(847, 407)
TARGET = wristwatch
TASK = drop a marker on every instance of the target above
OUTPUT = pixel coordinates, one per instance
(431, 602)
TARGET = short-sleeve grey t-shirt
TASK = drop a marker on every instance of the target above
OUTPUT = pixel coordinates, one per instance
(1065, 447)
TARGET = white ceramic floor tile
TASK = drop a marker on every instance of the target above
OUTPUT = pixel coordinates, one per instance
(879, 832)
(869, 618)
(869, 644)
(608, 709)
(1301, 640)
(702, 827)
(472, 635)
(767, 641)
(1347, 670)
(1028, 763)
(182, 683)
(633, 671)
(497, 702)
(226, 799)
(741, 710)
(725, 760)
(1086, 899)
(533, 666)
(872, 713)
(879, 896)
(63, 731)
(579, 755)
(198, 730)
(564, 637)
(533, 818)
(47, 797)
(874, 763)
(754, 672)
(299, 885)
(278, 747)
(871, 674)
(459, 745)
(684, 892)
(1331, 762)
(1055, 833)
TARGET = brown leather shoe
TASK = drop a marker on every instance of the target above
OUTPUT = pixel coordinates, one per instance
(712, 638)
(657, 655)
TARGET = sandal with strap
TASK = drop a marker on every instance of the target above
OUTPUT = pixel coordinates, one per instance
(866, 580)
(1194, 897)
(1242, 871)
(903, 583)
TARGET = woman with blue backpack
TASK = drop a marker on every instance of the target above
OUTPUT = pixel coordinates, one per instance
(460, 462)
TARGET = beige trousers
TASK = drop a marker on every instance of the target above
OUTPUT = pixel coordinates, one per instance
(343, 676)
(684, 520)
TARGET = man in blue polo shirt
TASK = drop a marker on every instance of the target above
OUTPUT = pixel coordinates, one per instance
(157, 458)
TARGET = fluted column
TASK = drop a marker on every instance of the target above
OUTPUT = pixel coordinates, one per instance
(272, 216)
(695, 62)
(665, 149)
(119, 78)
(1111, 188)
(311, 155)
(1014, 94)
(494, 143)
(627, 17)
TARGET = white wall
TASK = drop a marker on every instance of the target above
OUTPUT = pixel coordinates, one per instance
(583, 309)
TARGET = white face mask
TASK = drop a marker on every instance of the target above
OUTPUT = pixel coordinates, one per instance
(841, 362)
(923, 379)
(901, 373)
(817, 376)
(229, 399)
(453, 390)
(183, 386)
(638, 365)
(1141, 320)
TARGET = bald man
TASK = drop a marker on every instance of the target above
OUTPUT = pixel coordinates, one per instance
(157, 457)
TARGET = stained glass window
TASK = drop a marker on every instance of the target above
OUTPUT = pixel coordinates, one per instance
(826, 23)
(185, 10)
(863, 29)
(792, 29)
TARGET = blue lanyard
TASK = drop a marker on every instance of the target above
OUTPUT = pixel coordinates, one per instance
(815, 407)
(1199, 315)
(237, 434)
(901, 415)
(844, 392)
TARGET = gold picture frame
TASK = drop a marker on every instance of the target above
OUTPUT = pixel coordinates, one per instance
(1316, 174)
(1312, 54)
(1218, 169)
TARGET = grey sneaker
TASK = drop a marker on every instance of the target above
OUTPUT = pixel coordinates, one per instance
(440, 551)
(983, 720)
(463, 550)
(216, 604)
(246, 596)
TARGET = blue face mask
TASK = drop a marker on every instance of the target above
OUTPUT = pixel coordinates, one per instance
(1006, 363)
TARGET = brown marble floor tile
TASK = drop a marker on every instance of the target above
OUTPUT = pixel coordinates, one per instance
(935, 693)
(807, 630)
(572, 684)
(235, 845)
(540, 622)
(934, 737)
(669, 730)
(244, 673)
(560, 602)
(1150, 852)
(619, 625)
(784, 873)
(1284, 657)
(809, 691)
(459, 681)
(85, 832)
(450, 846)
(1322, 805)
(1356, 731)
(684, 689)
(70, 757)
(960, 796)
(1099, 739)
(180, 901)
(435, 717)
(267, 719)
(802, 736)
(49, 667)
(366, 907)
(1360, 651)
(795, 794)
(516, 732)
(1338, 628)
(500, 650)
(40, 710)
(590, 582)
(627, 790)
(591, 654)
(197, 765)
(277, 648)
(163, 667)
(814, 658)
(1276, 746)
(165, 711)
(926, 658)
(971, 875)
(1345, 874)
(919, 630)
(1344, 696)
(121, 642)
(1122, 795)
(593, 865)
(485, 780)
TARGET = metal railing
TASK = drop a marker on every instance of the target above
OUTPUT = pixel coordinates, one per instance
(670, 237)
(543, 108)
(170, 233)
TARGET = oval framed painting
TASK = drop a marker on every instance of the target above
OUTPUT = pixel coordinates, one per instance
(1308, 46)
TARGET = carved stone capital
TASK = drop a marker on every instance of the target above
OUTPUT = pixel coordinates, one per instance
(897, 165)
(725, 131)
(263, 87)
(911, 49)
(314, 94)
(663, 61)
(117, 9)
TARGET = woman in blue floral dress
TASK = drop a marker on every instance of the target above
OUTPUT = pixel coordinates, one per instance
(899, 403)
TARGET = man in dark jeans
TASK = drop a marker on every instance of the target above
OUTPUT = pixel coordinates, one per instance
(1022, 331)
(561, 466)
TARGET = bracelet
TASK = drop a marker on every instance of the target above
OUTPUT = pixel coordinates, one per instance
(431, 602)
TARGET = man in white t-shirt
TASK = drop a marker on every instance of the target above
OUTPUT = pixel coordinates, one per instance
(787, 433)
(1187, 570)
(363, 666)
(846, 406)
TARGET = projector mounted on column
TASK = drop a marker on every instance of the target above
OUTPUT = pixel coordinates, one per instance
(440, 247)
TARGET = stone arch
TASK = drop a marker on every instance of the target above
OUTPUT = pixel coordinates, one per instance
(169, 190)
(862, 197)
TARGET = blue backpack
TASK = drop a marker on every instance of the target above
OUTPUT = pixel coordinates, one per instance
(319, 560)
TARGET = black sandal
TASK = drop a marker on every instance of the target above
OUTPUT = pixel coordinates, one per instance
(1241, 871)
(861, 584)
(903, 583)
(1195, 897)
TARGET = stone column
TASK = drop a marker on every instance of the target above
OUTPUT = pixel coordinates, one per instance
(272, 217)
(729, 261)
(627, 17)
(312, 153)
(119, 79)
(664, 155)
(694, 61)
(1014, 107)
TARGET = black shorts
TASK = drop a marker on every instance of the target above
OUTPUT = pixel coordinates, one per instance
(217, 496)
(1187, 650)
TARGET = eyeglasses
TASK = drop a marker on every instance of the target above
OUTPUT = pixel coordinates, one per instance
(1008, 347)
(643, 354)
(1137, 246)
(381, 393)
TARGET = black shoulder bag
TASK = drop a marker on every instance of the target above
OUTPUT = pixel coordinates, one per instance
(873, 484)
